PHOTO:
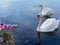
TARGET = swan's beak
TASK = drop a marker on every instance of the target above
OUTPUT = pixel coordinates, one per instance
(39, 16)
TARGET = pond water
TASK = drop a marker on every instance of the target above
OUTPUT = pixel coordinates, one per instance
(23, 13)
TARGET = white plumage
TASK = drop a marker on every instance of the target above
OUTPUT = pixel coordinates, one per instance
(47, 12)
(49, 25)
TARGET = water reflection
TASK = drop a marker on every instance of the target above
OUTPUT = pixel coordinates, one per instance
(51, 34)
(38, 44)
(38, 39)
(48, 34)
(4, 7)
(4, 4)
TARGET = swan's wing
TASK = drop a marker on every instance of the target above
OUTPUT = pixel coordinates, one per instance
(47, 11)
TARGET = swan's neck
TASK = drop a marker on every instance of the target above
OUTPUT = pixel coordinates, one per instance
(40, 23)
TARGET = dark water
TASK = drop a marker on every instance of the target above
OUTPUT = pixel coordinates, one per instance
(23, 13)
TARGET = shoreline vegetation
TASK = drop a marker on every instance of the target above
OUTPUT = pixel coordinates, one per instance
(8, 38)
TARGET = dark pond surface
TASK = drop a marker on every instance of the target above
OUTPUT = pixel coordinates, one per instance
(23, 13)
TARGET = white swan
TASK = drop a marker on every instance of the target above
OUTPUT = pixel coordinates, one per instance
(47, 12)
(49, 25)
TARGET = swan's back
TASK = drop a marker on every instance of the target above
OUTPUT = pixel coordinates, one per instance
(47, 11)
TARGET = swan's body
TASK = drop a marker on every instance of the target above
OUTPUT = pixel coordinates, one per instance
(49, 25)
